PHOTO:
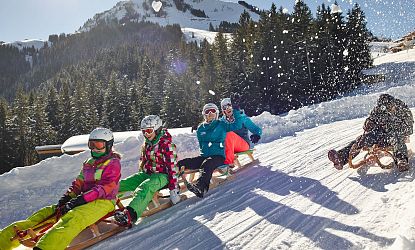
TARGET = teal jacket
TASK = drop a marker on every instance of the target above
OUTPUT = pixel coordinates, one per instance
(211, 136)
(247, 124)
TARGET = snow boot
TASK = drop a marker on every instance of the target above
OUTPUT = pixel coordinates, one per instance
(127, 217)
(334, 157)
(195, 189)
(402, 165)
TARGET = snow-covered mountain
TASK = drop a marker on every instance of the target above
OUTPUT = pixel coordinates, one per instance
(29, 43)
(215, 11)
(293, 199)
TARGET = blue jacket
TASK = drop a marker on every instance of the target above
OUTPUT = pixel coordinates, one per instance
(247, 124)
(211, 136)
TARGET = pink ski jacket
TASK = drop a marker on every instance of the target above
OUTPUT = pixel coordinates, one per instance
(98, 179)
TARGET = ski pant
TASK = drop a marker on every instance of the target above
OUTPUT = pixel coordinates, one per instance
(144, 186)
(234, 144)
(64, 230)
(400, 151)
(207, 164)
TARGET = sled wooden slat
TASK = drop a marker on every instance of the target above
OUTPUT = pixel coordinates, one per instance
(96, 239)
(249, 153)
(161, 207)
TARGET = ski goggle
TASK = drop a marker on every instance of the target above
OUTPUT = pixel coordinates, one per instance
(207, 111)
(148, 131)
(226, 107)
(96, 145)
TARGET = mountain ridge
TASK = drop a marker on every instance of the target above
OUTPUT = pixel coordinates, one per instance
(196, 14)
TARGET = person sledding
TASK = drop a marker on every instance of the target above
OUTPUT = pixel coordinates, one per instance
(211, 134)
(90, 197)
(238, 141)
(157, 170)
(389, 124)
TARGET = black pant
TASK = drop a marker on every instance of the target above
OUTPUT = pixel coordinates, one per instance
(207, 164)
(368, 139)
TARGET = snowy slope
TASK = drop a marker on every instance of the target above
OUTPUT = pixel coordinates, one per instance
(29, 43)
(293, 199)
(215, 10)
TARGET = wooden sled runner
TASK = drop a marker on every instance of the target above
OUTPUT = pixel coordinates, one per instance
(375, 155)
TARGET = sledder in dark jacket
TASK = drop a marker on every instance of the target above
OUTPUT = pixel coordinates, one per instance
(390, 123)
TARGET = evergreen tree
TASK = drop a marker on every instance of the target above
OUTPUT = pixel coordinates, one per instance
(52, 108)
(209, 93)
(21, 126)
(65, 113)
(79, 110)
(302, 25)
(221, 65)
(5, 138)
(41, 131)
(175, 103)
(239, 54)
(137, 109)
(112, 115)
(156, 86)
(358, 53)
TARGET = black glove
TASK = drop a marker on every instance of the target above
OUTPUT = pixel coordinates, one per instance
(73, 203)
(194, 127)
(255, 138)
(63, 200)
(236, 100)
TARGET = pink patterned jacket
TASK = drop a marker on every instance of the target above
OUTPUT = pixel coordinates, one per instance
(98, 179)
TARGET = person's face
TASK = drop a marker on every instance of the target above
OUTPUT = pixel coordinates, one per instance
(228, 111)
(210, 115)
(149, 133)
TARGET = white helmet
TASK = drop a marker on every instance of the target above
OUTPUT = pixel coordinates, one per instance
(101, 134)
(211, 106)
(225, 102)
(151, 121)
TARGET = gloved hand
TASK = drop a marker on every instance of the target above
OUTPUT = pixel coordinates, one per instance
(236, 100)
(73, 203)
(368, 125)
(194, 127)
(174, 196)
(255, 138)
(63, 200)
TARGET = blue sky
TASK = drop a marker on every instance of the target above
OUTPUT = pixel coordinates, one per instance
(37, 19)
(21, 19)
